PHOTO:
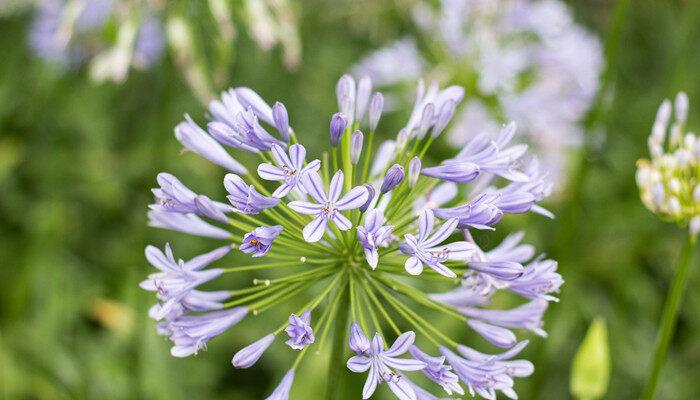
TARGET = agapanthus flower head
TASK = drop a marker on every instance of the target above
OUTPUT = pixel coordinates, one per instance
(524, 56)
(669, 182)
(349, 240)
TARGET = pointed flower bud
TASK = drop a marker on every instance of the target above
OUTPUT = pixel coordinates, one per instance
(356, 147)
(338, 124)
(371, 191)
(249, 355)
(282, 390)
(446, 113)
(413, 171)
(364, 90)
(279, 114)
(345, 92)
(426, 120)
(375, 110)
(394, 176)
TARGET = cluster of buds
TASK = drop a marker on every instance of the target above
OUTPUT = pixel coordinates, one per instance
(669, 183)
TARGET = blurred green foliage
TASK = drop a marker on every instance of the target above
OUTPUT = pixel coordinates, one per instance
(77, 161)
(590, 369)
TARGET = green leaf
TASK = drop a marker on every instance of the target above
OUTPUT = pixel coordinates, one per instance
(590, 370)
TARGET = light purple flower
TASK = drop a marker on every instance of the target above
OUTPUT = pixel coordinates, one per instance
(260, 240)
(527, 316)
(197, 140)
(443, 118)
(249, 355)
(150, 43)
(375, 110)
(282, 390)
(279, 114)
(327, 207)
(379, 363)
(178, 278)
(437, 371)
(194, 300)
(434, 97)
(338, 124)
(249, 99)
(394, 176)
(356, 147)
(245, 199)
(364, 90)
(374, 234)
(539, 278)
(493, 156)
(186, 223)
(485, 374)
(480, 213)
(246, 131)
(190, 333)
(414, 169)
(174, 196)
(299, 331)
(426, 248)
(289, 169)
(462, 172)
(522, 196)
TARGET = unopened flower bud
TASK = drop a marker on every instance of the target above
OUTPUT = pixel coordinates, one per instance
(249, 355)
(279, 114)
(402, 138)
(356, 147)
(345, 93)
(426, 120)
(375, 110)
(413, 171)
(364, 91)
(394, 176)
(446, 113)
(338, 124)
(681, 106)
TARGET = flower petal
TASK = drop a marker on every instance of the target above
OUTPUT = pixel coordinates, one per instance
(414, 266)
(442, 233)
(336, 186)
(426, 220)
(353, 199)
(359, 363)
(401, 344)
(305, 207)
(402, 389)
(341, 222)
(270, 173)
(314, 185)
(314, 230)
(297, 154)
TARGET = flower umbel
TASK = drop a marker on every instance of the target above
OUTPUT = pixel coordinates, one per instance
(348, 240)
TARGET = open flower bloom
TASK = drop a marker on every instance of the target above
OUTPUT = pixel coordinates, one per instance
(531, 59)
(351, 245)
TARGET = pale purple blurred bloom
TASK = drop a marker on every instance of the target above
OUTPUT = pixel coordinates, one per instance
(364, 90)
(379, 363)
(150, 43)
(289, 169)
(374, 234)
(190, 333)
(187, 223)
(198, 141)
(249, 355)
(436, 371)
(432, 97)
(327, 207)
(427, 248)
(244, 198)
(401, 61)
(437, 196)
(282, 390)
(260, 240)
(299, 331)
(385, 155)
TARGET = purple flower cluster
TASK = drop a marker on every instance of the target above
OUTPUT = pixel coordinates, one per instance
(361, 227)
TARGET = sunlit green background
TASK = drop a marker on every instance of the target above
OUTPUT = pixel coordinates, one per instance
(77, 160)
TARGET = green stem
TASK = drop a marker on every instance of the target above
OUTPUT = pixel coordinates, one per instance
(338, 352)
(669, 318)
